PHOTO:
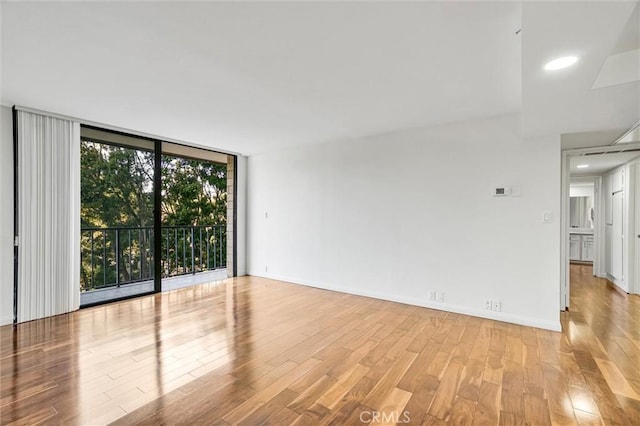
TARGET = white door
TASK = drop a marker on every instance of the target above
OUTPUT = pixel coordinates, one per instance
(616, 236)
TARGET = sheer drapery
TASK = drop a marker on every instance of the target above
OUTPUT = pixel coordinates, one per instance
(48, 176)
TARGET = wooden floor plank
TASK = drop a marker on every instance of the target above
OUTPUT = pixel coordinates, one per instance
(446, 392)
(616, 380)
(488, 406)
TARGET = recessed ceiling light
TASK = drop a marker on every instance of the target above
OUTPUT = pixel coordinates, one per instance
(582, 166)
(560, 63)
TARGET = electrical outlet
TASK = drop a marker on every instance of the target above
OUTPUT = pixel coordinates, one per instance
(432, 295)
(440, 296)
(488, 304)
(266, 268)
(497, 305)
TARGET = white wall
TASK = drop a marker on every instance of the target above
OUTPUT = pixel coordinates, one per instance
(581, 190)
(6, 216)
(398, 215)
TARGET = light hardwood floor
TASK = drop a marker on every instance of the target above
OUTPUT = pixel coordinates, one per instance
(255, 351)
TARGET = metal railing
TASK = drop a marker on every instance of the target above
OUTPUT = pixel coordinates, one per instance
(115, 256)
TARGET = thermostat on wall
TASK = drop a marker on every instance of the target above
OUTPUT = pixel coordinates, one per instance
(501, 191)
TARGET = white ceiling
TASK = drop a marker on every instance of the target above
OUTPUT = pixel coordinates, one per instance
(599, 164)
(252, 77)
(564, 101)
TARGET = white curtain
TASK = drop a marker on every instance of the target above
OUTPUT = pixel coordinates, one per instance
(48, 216)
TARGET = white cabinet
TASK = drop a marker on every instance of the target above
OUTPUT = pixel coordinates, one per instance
(574, 247)
(587, 248)
(581, 247)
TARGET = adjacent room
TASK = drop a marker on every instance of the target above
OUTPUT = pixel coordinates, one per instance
(603, 190)
(320, 212)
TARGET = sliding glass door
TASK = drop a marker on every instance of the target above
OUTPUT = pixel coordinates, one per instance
(117, 216)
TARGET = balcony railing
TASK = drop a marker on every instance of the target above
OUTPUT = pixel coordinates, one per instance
(111, 257)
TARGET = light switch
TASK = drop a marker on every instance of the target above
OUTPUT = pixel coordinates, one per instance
(547, 217)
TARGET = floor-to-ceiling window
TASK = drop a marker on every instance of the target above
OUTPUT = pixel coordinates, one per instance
(150, 220)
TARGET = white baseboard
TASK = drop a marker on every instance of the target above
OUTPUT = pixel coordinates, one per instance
(620, 284)
(441, 306)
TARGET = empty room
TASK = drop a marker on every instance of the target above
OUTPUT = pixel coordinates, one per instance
(320, 213)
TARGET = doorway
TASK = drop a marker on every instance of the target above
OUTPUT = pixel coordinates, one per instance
(602, 244)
